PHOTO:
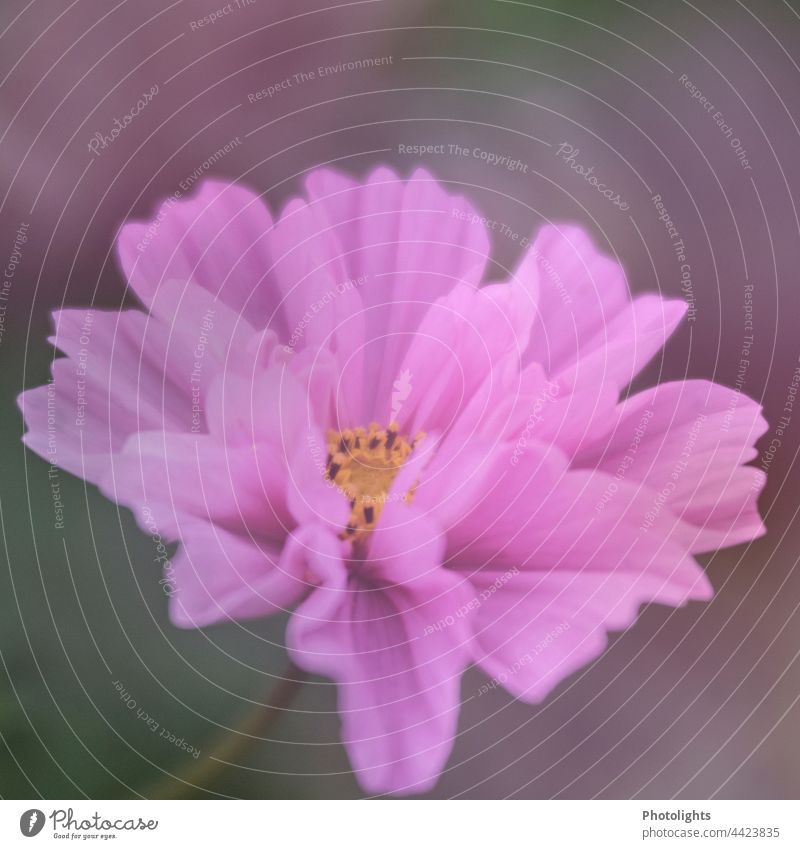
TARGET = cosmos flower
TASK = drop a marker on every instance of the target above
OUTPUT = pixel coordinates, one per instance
(338, 413)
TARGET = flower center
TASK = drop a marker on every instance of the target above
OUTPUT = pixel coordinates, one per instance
(363, 463)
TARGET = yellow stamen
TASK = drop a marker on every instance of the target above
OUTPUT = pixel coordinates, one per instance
(363, 463)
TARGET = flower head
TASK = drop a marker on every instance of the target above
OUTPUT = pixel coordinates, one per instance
(333, 413)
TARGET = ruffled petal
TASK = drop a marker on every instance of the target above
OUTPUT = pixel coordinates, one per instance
(688, 443)
(311, 497)
(406, 243)
(534, 629)
(396, 650)
(267, 406)
(128, 371)
(217, 575)
(464, 340)
(216, 238)
(119, 376)
(585, 311)
(555, 552)
(181, 478)
(541, 514)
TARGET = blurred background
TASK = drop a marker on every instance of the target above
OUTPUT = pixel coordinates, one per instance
(697, 103)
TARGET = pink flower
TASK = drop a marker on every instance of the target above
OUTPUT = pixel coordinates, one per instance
(331, 414)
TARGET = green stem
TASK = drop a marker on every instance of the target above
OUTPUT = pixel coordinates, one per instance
(230, 744)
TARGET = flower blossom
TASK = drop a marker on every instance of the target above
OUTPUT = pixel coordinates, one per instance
(348, 412)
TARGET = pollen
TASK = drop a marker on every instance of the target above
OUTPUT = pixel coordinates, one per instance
(362, 463)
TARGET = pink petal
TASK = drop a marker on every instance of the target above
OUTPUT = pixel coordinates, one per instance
(395, 658)
(585, 312)
(181, 478)
(203, 328)
(216, 238)
(572, 407)
(320, 298)
(402, 239)
(119, 377)
(552, 549)
(455, 478)
(407, 226)
(127, 372)
(629, 340)
(688, 443)
(358, 263)
(311, 497)
(541, 515)
(217, 575)
(463, 339)
(268, 406)
(534, 629)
